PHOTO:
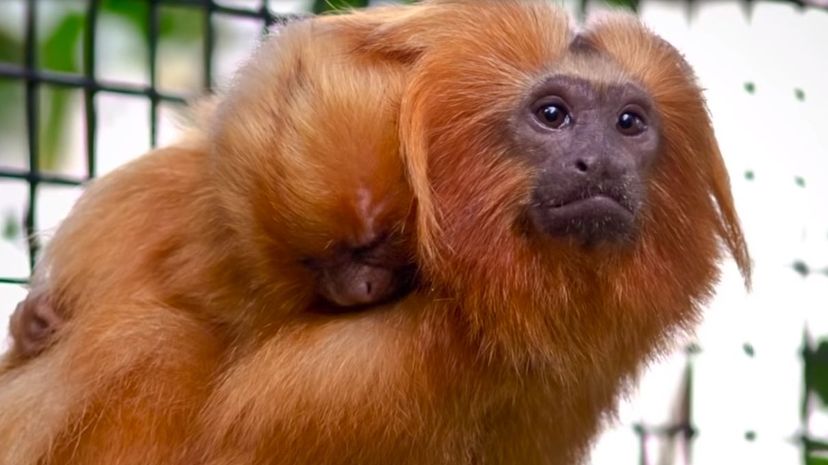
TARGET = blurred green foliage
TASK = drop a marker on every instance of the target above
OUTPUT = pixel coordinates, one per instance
(321, 6)
(816, 371)
(816, 384)
(58, 52)
(59, 49)
(631, 4)
(10, 228)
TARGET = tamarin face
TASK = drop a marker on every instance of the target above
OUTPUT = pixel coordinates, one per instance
(574, 172)
(552, 134)
(591, 144)
(583, 136)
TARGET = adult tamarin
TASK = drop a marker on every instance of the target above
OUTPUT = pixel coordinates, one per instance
(571, 208)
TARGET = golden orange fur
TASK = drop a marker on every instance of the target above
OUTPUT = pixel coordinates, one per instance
(191, 339)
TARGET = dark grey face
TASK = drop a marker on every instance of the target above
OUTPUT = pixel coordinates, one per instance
(591, 145)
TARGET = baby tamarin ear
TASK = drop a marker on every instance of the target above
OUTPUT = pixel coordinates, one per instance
(34, 323)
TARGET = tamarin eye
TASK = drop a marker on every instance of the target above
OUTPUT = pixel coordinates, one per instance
(630, 124)
(553, 116)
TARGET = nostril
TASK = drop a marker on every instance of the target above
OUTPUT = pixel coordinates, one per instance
(581, 166)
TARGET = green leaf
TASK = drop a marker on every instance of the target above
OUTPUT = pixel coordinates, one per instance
(629, 4)
(750, 435)
(815, 445)
(813, 460)
(135, 12)
(800, 94)
(800, 181)
(11, 228)
(749, 175)
(321, 6)
(181, 24)
(748, 348)
(12, 122)
(816, 371)
(11, 48)
(750, 87)
(53, 116)
(58, 52)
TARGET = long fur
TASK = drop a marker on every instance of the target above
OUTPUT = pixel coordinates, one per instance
(191, 339)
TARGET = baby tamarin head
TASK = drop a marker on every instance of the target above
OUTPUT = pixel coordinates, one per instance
(305, 154)
(570, 190)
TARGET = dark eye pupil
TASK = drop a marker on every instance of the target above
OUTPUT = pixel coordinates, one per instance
(630, 124)
(626, 121)
(553, 116)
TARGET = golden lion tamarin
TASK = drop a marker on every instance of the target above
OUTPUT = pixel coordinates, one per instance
(570, 208)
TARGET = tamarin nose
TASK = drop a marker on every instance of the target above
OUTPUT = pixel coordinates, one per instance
(598, 168)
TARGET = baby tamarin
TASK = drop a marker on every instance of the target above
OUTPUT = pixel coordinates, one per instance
(571, 209)
(345, 230)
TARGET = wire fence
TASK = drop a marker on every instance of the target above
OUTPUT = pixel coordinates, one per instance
(679, 433)
(34, 77)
